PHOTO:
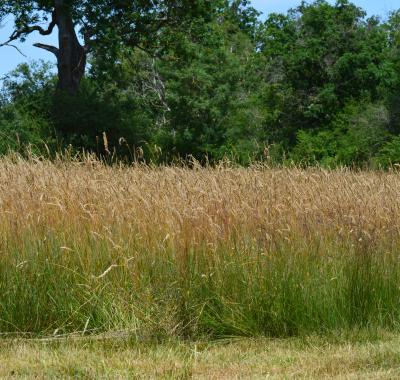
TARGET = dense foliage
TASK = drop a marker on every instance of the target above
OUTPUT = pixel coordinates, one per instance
(320, 84)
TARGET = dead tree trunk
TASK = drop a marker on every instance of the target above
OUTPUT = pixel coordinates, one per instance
(71, 58)
(70, 54)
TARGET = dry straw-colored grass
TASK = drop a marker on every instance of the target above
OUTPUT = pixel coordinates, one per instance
(197, 206)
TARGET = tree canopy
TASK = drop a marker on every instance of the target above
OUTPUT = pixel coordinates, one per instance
(101, 24)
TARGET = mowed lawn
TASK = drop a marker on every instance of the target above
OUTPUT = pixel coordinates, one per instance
(113, 358)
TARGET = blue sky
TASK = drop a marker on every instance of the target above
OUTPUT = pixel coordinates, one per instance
(10, 58)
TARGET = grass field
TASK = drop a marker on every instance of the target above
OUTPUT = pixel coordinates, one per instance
(200, 254)
(193, 253)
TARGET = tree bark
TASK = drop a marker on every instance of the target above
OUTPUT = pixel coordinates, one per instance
(71, 55)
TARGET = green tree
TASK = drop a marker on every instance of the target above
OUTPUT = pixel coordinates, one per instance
(319, 57)
(201, 95)
(24, 109)
(102, 24)
(393, 62)
(355, 137)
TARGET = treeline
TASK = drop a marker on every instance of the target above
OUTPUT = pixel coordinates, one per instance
(318, 85)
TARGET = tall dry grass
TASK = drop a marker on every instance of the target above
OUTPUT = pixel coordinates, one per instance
(173, 251)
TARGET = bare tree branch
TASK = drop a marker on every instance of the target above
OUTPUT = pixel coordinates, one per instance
(87, 40)
(51, 49)
(15, 47)
(29, 29)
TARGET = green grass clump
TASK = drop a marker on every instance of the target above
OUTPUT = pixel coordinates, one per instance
(220, 292)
